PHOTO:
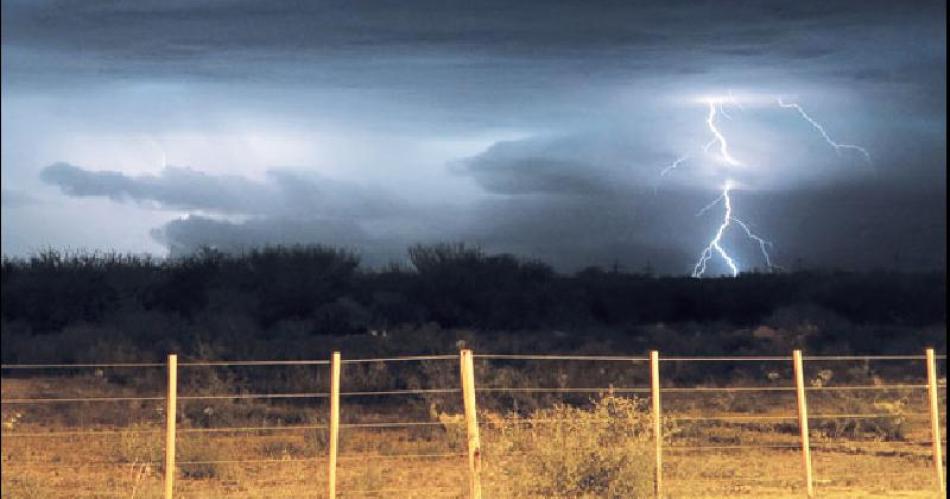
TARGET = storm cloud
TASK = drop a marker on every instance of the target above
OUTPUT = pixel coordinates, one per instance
(281, 192)
(538, 128)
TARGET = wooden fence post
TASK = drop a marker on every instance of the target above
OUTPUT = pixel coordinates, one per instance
(334, 422)
(657, 422)
(935, 419)
(467, 368)
(803, 421)
(171, 403)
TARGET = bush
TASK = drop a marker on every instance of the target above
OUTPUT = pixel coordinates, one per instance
(139, 444)
(200, 458)
(565, 451)
(889, 426)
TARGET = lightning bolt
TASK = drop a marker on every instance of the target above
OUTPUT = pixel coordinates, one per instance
(672, 166)
(716, 107)
(763, 244)
(715, 245)
(717, 135)
(838, 147)
(700, 268)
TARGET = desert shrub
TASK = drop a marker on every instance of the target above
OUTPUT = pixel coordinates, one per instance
(281, 449)
(140, 444)
(452, 429)
(890, 426)
(200, 458)
(565, 451)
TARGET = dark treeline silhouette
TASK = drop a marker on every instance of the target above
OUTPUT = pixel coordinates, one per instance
(325, 294)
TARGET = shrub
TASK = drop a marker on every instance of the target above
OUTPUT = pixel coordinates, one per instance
(891, 425)
(565, 451)
(139, 444)
(200, 458)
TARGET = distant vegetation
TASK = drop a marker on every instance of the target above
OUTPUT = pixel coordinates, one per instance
(299, 301)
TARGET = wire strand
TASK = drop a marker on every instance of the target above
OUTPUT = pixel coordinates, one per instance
(864, 387)
(206, 363)
(868, 416)
(729, 447)
(80, 366)
(748, 358)
(397, 424)
(84, 433)
(561, 390)
(300, 395)
(401, 392)
(76, 399)
(210, 363)
(411, 358)
(241, 461)
(399, 456)
(561, 357)
(727, 417)
(228, 429)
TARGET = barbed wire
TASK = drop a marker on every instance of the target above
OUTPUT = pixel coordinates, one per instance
(667, 390)
(821, 358)
(297, 395)
(869, 416)
(82, 366)
(78, 464)
(400, 456)
(76, 399)
(560, 390)
(824, 446)
(401, 392)
(399, 424)
(737, 358)
(727, 389)
(611, 358)
(830, 477)
(737, 417)
(410, 358)
(207, 363)
(82, 433)
(872, 443)
(213, 363)
(729, 447)
(864, 387)
(610, 389)
(253, 461)
(227, 429)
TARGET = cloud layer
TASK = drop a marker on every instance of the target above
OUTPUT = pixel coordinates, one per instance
(540, 128)
(846, 227)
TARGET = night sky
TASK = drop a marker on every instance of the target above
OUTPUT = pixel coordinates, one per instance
(535, 128)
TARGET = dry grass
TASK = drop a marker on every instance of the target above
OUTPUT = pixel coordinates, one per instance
(599, 449)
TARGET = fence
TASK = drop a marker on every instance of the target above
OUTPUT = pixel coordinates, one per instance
(665, 451)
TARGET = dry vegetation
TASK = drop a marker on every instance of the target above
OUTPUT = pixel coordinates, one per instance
(305, 302)
(535, 444)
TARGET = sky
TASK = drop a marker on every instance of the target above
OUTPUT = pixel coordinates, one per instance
(539, 128)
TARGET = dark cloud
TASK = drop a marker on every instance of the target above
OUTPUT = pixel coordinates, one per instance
(542, 166)
(177, 188)
(208, 39)
(849, 227)
(602, 96)
(282, 192)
